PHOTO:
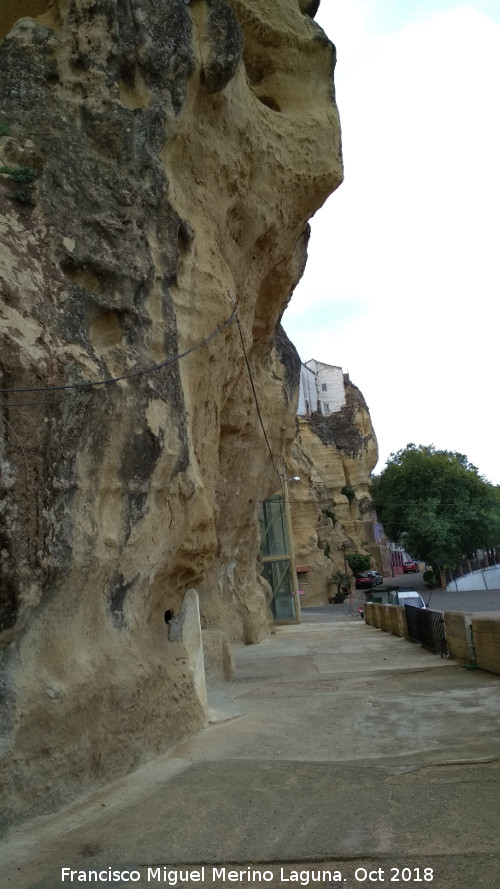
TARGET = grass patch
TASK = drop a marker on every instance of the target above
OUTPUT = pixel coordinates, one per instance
(21, 175)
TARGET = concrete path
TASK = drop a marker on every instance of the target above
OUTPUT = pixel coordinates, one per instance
(358, 759)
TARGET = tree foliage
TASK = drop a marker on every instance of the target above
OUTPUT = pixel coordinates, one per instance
(343, 583)
(348, 492)
(437, 505)
(358, 562)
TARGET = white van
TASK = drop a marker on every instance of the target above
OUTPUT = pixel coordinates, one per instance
(407, 596)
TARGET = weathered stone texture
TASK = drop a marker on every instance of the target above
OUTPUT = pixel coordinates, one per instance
(331, 454)
(459, 636)
(486, 638)
(178, 151)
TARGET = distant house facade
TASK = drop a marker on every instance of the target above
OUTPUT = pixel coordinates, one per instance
(398, 557)
(321, 388)
(324, 389)
(308, 392)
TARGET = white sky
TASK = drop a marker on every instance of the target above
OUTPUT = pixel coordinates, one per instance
(402, 285)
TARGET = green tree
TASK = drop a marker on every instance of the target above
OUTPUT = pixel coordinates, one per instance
(358, 562)
(437, 505)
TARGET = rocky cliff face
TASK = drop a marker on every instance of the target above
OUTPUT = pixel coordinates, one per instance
(334, 457)
(160, 161)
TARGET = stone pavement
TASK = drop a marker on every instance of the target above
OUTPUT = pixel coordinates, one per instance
(347, 757)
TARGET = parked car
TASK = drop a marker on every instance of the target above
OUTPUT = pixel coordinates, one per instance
(377, 578)
(363, 581)
(410, 597)
(410, 566)
(391, 595)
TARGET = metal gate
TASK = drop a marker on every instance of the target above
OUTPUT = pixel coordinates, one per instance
(277, 560)
(427, 627)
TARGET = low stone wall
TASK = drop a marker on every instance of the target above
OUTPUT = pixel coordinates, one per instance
(385, 618)
(390, 618)
(470, 638)
(458, 629)
(486, 638)
(377, 615)
(398, 621)
(369, 610)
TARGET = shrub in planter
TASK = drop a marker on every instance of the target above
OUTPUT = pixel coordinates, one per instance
(343, 584)
(338, 598)
(358, 562)
(429, 578)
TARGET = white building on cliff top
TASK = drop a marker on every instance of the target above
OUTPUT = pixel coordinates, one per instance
(321, 388)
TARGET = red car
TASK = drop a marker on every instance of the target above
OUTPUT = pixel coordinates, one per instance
(364, 581)
(411, 566)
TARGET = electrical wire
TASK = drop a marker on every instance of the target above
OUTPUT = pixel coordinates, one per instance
(252, 384)
(89, 384)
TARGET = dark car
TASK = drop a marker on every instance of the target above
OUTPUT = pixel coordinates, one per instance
(411, 566)
(364, 580)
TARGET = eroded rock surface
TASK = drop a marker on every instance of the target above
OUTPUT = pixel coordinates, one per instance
(334, 456)
(175, 153)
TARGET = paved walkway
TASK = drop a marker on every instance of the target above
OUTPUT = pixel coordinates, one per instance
(352, 757)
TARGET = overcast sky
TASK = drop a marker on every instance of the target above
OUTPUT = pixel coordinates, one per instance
(402, 285)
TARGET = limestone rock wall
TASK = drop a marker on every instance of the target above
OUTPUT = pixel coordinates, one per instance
(332, 453)
(170, 154)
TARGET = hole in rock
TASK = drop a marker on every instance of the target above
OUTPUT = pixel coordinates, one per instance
(82, 277)
(168, 615)
(269, 102)
(106, 330)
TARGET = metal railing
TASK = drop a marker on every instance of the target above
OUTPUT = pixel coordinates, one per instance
(427, 627)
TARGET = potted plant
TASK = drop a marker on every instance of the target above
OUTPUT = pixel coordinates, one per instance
(343, 583)
(429, 578)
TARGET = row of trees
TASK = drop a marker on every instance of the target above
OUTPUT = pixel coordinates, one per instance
(437, 505)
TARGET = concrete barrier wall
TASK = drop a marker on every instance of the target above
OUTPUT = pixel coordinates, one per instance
(369, 613)
(459, 636)
(377, 615)
(486, 637)
(398, 621)
(390, 618)
(385, 618)
(471, 638)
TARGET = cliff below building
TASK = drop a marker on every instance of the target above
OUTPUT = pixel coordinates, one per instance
(159, 163)
(334, 456)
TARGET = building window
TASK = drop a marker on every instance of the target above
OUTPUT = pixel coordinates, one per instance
(302, 574)
(323, 387)
(326, 407)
